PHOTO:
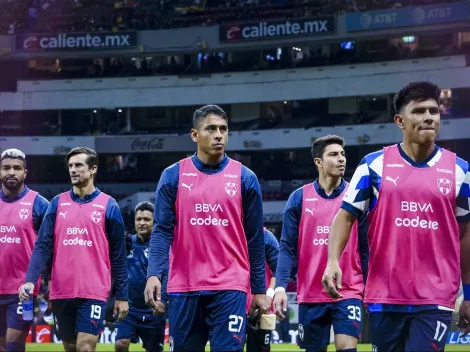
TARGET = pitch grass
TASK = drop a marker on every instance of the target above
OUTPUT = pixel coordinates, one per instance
(53, 347)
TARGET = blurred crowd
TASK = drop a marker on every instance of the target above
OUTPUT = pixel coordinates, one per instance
(38, 16)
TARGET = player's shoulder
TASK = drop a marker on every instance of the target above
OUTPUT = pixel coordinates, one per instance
(170, 174)
(39, 199)
(370, 158)
(295, 198)
(462, 165)
(269, 237)
(246, 172)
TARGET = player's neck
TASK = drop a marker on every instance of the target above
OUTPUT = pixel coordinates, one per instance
(329, 183)
(12, 194)
(208, 159)
(417, 152)
(82, 191)
(143, 238)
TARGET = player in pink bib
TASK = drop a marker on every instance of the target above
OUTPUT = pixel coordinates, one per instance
(306, 224)
(208, 209)
(83, 233)
(21, 213)
(417, 197)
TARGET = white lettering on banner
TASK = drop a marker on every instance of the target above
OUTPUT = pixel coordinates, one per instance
(76, 231)
(454, 338)
(281, 29)
(416, 222)
(78, 242)
(323, 229)
(320, 242)
(7, 239)
(416, 206)
(206, 208)
(4, 229)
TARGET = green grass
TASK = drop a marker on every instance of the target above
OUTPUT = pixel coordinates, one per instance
(53, 347)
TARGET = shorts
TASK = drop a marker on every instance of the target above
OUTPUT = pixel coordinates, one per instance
(75, 315)
(11, 315)
(217, 316)
(413, 331)
(148, 327)
(258, 340)
(316, 319)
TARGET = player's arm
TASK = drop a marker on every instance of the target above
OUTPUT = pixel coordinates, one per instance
(287, 249)
(363, 244)
(271, 247)
(162, 233)
(115, 230)
(355, 204)
(43, 249)
(40, 206)
(463, 218)
(253, 225)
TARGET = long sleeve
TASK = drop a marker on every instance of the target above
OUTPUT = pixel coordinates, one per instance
(271, 247)
(253, 225)
(39, 211)
(44, 246)
(117, 245)
(164, 221)
(165, 283)
(363, 243)
(289, 238)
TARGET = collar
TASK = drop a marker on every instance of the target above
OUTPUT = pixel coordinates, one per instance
(88, 197)
(209, 169)
(8, 200)
(336, 192)
(410, 161)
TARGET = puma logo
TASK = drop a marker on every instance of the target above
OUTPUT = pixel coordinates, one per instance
(238, 338)
(388, 178)
(310, 210)
(188, 187)
(63, 214)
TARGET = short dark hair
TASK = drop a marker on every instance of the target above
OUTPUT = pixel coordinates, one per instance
(92, 156)
(319, 145)
(142, 206)
(201, 113)
(13, 154)
(416, 91)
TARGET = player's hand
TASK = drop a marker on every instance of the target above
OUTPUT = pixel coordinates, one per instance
(332, 280)
(153, 292)
(160, 308)
(261, 302)
(121, 307)
(464, 318)
(22, 291)
(280, 304)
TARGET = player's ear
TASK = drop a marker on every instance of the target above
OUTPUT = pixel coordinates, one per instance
(194, 136)
(318, 163)
(399, 121)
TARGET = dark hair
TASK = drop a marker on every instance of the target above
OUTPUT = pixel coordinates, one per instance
(416, 91)
(92, 156)
(13, 154)
(142, 206)
(319, 145)
(201, 113)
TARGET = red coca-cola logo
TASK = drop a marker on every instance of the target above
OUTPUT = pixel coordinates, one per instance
(155, 143)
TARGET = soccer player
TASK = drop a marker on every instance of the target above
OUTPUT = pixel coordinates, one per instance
(21, 213)
(83, 233)
(306, 223)
(258, 339)
(417, 197)
(141, 322)
(209, 209)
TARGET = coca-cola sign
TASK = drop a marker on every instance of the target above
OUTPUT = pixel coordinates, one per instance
(147, 144)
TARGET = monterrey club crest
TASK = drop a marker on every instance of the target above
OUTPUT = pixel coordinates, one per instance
(96, 216)
(444, 185)
(24, 213)
(231, 188)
